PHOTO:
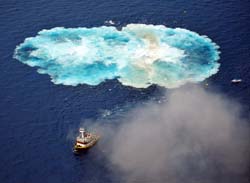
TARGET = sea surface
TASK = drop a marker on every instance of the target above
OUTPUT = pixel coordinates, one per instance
(39, 119)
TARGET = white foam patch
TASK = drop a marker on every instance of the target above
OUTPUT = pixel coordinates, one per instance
(139, 55)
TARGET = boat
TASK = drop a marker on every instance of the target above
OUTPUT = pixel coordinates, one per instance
(236, 81)
(85, 140)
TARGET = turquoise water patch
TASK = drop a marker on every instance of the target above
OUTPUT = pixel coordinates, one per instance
(138, 55)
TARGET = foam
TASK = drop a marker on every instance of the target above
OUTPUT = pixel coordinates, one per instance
(138, 55)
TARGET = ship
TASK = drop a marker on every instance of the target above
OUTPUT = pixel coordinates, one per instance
(235, 81)
(85, 140)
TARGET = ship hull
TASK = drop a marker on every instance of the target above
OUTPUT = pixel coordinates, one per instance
(80, 147)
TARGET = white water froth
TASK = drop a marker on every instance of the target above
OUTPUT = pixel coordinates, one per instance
(138, 55)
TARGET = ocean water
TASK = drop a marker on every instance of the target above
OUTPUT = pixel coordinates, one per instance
(39, 118)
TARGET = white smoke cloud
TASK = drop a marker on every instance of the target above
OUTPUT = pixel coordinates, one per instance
(195, 136)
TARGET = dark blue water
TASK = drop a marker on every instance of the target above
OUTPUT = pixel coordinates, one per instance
(37, 117)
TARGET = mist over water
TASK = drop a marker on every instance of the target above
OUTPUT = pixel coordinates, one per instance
(195, 135)
(138, 55)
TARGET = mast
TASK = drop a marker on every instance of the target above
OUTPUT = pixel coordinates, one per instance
(82, 132)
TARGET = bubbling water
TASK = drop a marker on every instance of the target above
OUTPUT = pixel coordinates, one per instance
(138, 55)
